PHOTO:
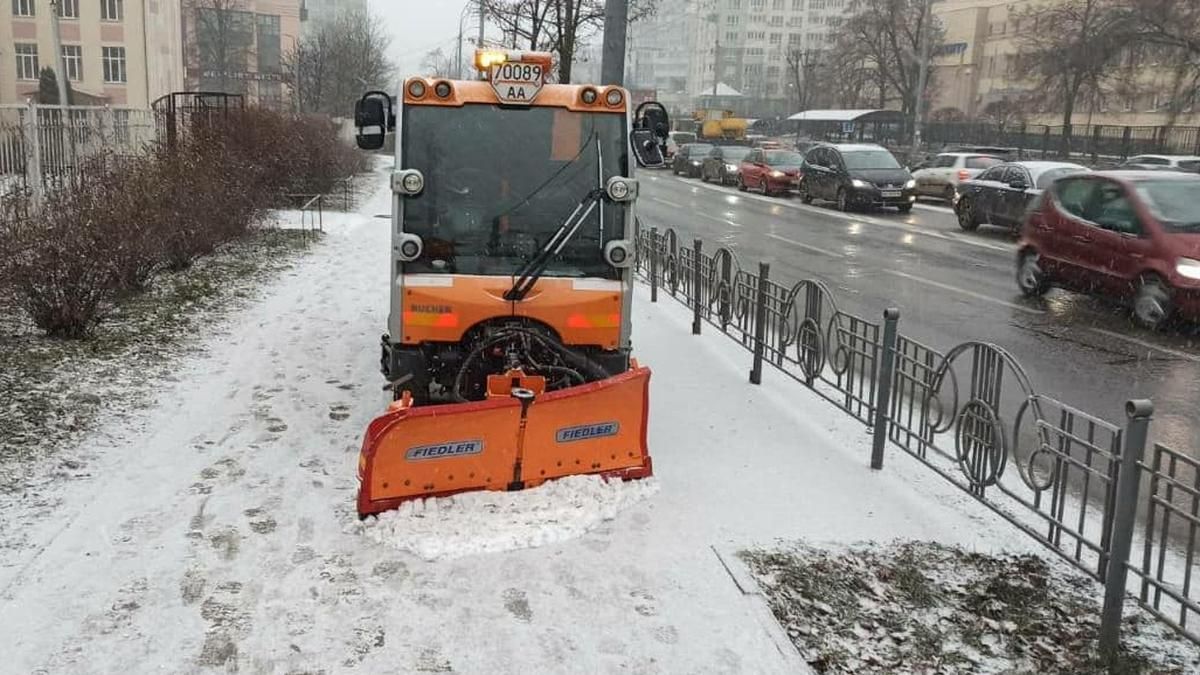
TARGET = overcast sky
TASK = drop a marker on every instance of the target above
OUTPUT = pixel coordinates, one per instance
(418, 26)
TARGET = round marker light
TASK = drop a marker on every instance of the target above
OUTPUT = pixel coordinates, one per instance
(413, 183)
(614, 97)
(410, 249)
(617, 255)
(589, 96)
(416, 89)
(618, 190)
(442, 89)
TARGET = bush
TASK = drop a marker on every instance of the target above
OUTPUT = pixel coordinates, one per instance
(129, 217)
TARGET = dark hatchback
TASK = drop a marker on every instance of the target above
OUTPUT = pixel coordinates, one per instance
(690, 158)
(1002, 194)
(856, 176)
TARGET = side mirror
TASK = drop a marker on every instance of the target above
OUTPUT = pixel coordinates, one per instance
(373, 119)
(649, 135)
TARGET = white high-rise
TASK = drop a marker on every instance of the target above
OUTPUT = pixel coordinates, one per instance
(738, 45)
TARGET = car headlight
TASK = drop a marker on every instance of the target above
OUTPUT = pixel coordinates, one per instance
(1188, 267)
(776, 174)
(695, 162)
(622, 189)
(858, 183)
(731, 167)
(912, 183)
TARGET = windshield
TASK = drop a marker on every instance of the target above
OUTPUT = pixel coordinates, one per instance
(697, 149)
(682, 137)
(870, 159)
(735, 153)
(783, 158)
(1174, 203)
(1045, 178)
(500, 181)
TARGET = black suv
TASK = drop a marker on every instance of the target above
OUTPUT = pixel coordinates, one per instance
(856, 176)
(689, 158)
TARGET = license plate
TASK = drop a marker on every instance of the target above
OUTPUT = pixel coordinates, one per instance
(891, 193)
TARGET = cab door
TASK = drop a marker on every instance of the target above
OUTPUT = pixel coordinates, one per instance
(1009, 207)
(753, 167)
(1119, 247)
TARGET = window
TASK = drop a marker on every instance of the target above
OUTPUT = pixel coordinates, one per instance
(945, 161)
(981, 162)
(732, 20)
(776, 38)
(797, 5)
(1073, 195)
(22, 7)
(27, 61)
(776, 4)
(795, 21)
(775, 56)
(996, 173)
(777, 20)
(112, 10)
(1110, 209)
(794, 39)
(113, 59)
(756, 35)
(735, 4)
(270, 94)
(754, 51)
(68, 9)
(816, 4)
(268, 43)
(757, 4)
(72, 56)
(772, 72)
(1015, 174)
(758, 18)
(731, 36)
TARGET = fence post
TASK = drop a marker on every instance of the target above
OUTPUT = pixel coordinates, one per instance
(1125, 140)
(1139, 413)
(883, 392)
(33, 155)
(654, 264)
(1045, 140)
(760, 322)
(697, 287)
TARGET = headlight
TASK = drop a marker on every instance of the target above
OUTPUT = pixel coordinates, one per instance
(776, 174)
(408, 182)
(858, 183)
(695, 162)
(621, 189)
(912, 183)
(731, 167)
(1188, 268)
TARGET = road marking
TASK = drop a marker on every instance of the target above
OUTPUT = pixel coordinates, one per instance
(1148, 345)
(668, 203)
(935, 209)
(810, 247)
(963, 291)
(723, 221)
(850, 217)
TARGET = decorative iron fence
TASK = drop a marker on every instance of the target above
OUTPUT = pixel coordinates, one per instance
(1066, 478)
(1046, 141)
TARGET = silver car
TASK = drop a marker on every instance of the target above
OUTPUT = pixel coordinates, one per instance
(941, 176)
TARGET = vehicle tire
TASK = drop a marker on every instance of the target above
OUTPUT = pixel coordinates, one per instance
(1030, 278)
(805, 198)
(703, 176)
(741, 183)
(948, 193)
(843, 200)
(967, 219)
(904, 208)
(1152, 303)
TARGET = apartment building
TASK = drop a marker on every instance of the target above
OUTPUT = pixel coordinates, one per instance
(733, 46)
(238, 47)
(977, 70)
(315, 12)
(115, 52)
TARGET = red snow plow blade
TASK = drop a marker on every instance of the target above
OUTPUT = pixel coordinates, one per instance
(519, 437)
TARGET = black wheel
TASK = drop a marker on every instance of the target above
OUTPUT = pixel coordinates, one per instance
(904, 208)
(1152, 303)
(1030, 278)
(703, 176)
(948, 193)
(843, 200)
(741, 183)
(967, 218)
(804, 196)
(766, 188)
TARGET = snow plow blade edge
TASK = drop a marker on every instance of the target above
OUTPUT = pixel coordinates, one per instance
(417, 452)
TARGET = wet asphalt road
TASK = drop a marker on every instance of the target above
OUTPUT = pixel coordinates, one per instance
(951, 286)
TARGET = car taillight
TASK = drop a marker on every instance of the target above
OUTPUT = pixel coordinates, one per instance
(963, 174)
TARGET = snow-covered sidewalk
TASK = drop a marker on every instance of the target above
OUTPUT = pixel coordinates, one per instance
(223, 535)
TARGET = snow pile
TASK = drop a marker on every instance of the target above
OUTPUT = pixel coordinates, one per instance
(491, 521)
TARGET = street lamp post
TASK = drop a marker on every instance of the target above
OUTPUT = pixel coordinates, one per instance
(922, 75)
(56, 45)
(462, 16)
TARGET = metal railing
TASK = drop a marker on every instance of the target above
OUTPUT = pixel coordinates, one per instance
(312, 214)
(1066, 478)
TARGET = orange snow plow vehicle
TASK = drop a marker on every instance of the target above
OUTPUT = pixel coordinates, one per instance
(511, 272)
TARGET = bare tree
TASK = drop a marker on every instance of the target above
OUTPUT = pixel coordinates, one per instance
(559, 26)
(1070, 48)
(1006, 111)
(1173, 29)
(438, 64)
(331, 67)
(885, 35)
(221, 45)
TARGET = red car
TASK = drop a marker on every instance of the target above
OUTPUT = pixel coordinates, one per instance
(772, 171)
(1134, 235)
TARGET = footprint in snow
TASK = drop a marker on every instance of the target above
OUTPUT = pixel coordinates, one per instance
(517, 604)
(339, 412)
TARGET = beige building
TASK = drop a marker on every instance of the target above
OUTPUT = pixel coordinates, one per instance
(976, 67)
(238, 47)
(116, 52)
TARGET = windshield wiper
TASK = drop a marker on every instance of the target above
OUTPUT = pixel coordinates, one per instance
(533, 270)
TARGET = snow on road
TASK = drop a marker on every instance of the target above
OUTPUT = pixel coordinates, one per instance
(223, 536)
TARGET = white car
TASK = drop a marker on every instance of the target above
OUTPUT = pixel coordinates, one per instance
(676, 139)
(1187, 163)
(941, 176)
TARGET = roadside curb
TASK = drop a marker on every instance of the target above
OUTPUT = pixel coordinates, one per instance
(754, 597)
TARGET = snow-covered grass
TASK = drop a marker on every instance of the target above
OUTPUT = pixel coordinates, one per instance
(923, 607)
(491, 522)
